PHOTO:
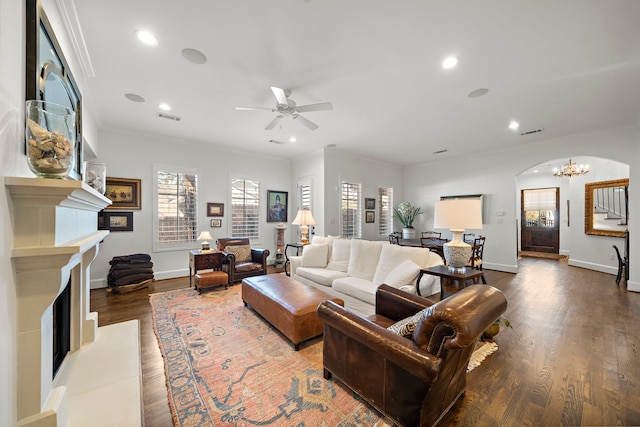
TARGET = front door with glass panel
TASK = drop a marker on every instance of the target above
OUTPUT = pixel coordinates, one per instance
(540, 222)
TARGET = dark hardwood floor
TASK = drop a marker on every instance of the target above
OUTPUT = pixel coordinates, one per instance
(572, 357)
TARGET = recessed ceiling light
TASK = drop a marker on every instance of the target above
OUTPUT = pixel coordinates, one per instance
(147, 38)
(133, 97)
(513, 125)
(478, 93)
(292, 139)
(194, 56)
(450, 62)
(165, 107)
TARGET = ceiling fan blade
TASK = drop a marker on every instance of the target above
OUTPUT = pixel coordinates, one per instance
(308, 123)
(273, 123)
(254, 108)
(280, 95)
(321, 106)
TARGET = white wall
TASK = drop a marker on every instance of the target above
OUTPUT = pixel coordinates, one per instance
(372, 174)
(133, 156)
(494, 173)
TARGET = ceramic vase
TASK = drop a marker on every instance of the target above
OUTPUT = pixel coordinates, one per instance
(408, 233)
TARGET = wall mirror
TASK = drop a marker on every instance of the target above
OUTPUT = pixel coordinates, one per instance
(606, 208)
(48, 76)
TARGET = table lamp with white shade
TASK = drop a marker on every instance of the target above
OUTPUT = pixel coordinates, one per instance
(304, 219)
(458, 215)
(204, 237)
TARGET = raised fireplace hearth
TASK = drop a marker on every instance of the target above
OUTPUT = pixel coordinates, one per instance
(55, 239)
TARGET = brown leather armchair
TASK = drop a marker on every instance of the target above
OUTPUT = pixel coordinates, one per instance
(416, 380)
(238, 269)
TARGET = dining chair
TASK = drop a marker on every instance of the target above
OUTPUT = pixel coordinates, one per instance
(428, 242)
(477, 252)
(394, 238)
(469, 237)
(431, 235)
(623, 266)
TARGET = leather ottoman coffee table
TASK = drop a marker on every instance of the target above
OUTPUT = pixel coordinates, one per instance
(290, 306)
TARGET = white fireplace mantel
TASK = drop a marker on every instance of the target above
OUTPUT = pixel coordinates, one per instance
(55, 239)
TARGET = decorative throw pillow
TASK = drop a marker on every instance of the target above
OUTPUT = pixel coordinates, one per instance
(339, 256)
(242, 253)
(315, 255)
(404, 274)
(406, 326)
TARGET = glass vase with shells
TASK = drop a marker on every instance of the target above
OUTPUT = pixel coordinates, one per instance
(50, 138)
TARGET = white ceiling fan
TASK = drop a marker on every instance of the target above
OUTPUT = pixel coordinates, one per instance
(286, 107)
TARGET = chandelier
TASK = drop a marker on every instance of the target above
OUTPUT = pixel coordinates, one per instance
(570, 170)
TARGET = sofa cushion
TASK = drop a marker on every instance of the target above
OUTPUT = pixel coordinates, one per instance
(356, 287)
(339, 259)
(315, 240)
(363, 258)
(404, 274)
(392, 256)
(406, 326)
(315, 255)
(321, 276)
(242, 252)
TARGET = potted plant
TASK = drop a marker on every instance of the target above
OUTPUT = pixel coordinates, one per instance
(406, 214)
(493, 330)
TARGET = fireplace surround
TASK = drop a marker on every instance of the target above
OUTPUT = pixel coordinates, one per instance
(55, 239)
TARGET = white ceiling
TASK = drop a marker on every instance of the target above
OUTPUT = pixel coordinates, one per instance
(567, 67)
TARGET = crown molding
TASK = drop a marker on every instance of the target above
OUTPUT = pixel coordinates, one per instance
(69, 17)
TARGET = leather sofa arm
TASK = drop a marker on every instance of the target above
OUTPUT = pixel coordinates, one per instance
(396, 304)
(260, 256)
(231, 265)
(401, 351)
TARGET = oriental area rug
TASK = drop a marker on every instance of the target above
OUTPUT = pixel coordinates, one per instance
(226, 366)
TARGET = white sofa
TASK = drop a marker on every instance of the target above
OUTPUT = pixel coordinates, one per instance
(353, 269)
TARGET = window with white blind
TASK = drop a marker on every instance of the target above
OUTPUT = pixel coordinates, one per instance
(305, 196)
(351, 223)
(385, 210)
(175, 208)
(540, 206)
(245, 208)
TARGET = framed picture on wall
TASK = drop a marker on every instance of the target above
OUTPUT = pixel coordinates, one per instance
(369, 203)
(115, 221)
(370, 216)
(124, 193)
(277, 205)
(215, 209)
(216, 223)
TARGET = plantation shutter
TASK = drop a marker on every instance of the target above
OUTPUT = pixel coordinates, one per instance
(305, 196)
(351, 224)
(385, 210)
(245, 208)
(176, 207)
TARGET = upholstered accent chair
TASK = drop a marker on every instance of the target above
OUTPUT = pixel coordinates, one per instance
(410, 367)
(244, 261)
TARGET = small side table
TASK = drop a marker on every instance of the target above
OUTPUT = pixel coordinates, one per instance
(200, 260)
(448, 276)
(298, 247)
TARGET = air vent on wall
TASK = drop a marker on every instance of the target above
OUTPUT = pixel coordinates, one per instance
(531, 132)
(169, 117)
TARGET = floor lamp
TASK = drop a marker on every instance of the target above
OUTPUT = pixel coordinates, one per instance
(304, 219)
(458, 215)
